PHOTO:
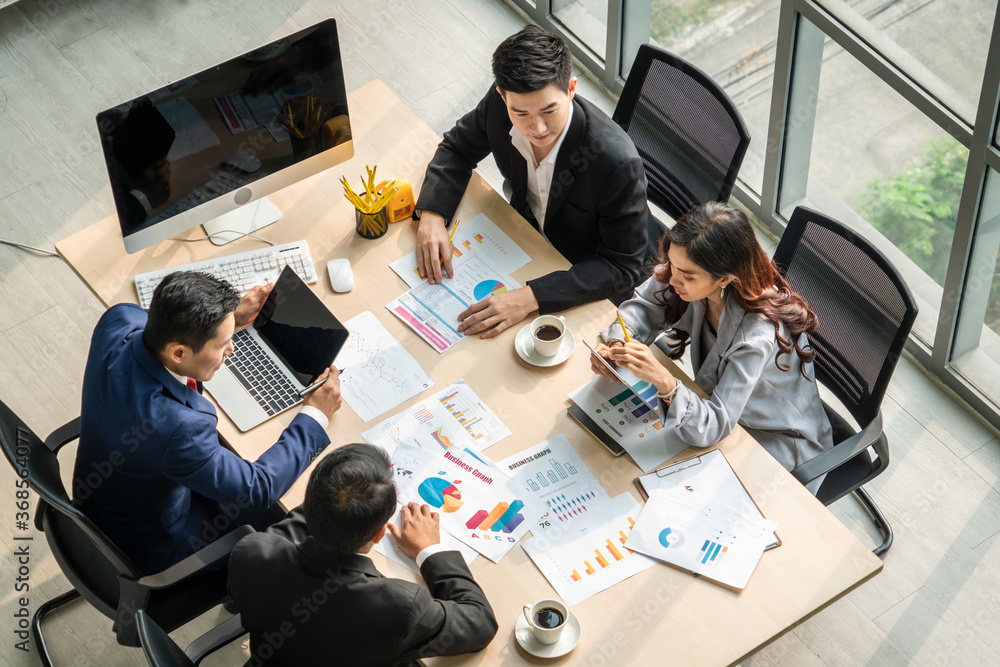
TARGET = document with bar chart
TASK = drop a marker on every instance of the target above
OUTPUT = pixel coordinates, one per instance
(714, 542)
(478, 503)
(619, 412)
(432, 310)
(582, 564)
(377, 372)
(554, 473)
(477, 236)
(454, 419)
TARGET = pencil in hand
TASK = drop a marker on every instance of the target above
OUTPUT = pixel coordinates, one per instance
(620, 322)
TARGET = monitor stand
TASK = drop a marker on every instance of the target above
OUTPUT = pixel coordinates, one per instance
(242, 221)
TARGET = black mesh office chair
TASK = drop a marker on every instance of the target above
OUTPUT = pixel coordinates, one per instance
(865, 313)
(161, 651)
(97, 569)
(688, 132)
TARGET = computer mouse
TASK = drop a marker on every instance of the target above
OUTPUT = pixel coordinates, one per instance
(242, 161)
(341, 275)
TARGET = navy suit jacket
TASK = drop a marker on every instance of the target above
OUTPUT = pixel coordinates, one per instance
(596, 214)
(150, 469)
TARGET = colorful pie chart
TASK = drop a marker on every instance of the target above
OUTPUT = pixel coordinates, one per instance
(488, 287)
(670, 538)
(441, 493)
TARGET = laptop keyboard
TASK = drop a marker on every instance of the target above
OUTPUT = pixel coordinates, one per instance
(258, 373)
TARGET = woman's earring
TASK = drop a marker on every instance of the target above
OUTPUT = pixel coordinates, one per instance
(722, 293)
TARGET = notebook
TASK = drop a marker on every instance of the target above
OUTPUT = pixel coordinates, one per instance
(293, 339)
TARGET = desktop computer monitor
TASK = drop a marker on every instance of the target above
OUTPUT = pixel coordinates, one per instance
(208, 148)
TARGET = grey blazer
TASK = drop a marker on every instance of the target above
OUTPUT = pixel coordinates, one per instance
(781, 409)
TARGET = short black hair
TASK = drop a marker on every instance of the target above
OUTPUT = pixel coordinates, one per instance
(187, 308)
(530, 60)
(350, 497)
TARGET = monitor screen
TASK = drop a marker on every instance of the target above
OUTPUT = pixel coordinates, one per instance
(226, 137)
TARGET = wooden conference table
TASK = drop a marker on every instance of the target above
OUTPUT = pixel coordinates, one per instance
(660, 614)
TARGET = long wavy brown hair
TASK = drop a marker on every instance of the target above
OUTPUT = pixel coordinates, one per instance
(719, 239)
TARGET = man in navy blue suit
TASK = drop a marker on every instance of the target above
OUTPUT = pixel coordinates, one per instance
(150, 470)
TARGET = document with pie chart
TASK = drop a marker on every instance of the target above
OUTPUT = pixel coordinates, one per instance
(478, 504)
(714, 542)
(432, 310)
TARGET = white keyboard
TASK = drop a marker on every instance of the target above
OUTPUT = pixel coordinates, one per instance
(242, 271)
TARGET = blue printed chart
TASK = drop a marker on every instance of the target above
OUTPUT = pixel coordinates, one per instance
(553, 472)
(715, 542)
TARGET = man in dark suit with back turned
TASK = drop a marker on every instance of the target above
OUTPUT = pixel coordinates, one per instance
(309, 595)
(150, 470)
(573, 173)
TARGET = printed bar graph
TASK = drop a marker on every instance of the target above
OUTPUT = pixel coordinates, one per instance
(590, 568)
(712, 551)
(614, 551)
(601, 560)
(504, 517)
(423, 415)
(532, 485)
(576, 576)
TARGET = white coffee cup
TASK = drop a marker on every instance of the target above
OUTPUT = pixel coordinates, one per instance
(546, 635)
(548, 348)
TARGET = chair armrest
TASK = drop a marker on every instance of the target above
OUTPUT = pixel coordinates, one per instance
(215, 639)
(197, 563)
(66, 433)
(840, 453)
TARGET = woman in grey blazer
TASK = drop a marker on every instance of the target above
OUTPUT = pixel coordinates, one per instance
(716, 292)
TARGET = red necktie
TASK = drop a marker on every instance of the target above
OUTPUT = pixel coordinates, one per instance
(193, 384)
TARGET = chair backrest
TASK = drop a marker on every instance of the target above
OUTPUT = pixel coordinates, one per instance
(160, 649)
(864, 307)
(688, 132)
(90, 561)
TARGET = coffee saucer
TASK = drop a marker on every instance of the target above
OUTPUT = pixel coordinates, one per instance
(567, 642)
(525, 346)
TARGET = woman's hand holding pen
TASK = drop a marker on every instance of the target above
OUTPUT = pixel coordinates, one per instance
(639, 359)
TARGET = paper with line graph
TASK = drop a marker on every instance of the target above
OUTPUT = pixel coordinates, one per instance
(477, 236)
(378, 373)
(592, 557)
(454, 418)
(478, 503)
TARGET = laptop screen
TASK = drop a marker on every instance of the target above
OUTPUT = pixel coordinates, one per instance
(298, 328)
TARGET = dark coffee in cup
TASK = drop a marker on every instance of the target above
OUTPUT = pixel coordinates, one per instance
(547, 332)
(547, 617)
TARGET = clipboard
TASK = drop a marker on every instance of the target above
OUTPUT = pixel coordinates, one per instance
(688, 464)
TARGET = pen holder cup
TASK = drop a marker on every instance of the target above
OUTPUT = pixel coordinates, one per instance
(371, 225)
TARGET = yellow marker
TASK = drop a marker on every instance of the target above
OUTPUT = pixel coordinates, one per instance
(627, 339)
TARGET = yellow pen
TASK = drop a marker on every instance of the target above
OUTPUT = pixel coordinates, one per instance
(451, 237)
(627, 339)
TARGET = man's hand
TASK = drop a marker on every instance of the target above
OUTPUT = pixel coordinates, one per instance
(598, 367)
(326, 399)
(251, 303)
(420, 529)
(639, 359)
(433, 247)
(497, 313)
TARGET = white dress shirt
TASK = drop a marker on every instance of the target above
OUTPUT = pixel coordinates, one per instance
(539, 173)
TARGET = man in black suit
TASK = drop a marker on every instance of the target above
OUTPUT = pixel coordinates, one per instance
(573, 174)
(309, 595)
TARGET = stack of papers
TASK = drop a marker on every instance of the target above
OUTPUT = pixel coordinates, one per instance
(711, 541)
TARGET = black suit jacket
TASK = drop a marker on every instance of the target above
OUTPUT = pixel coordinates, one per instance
(596, 215)
(305, 606)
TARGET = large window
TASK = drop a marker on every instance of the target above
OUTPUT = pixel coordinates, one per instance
(882, 115)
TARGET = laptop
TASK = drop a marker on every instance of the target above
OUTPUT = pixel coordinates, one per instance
(292, 341)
